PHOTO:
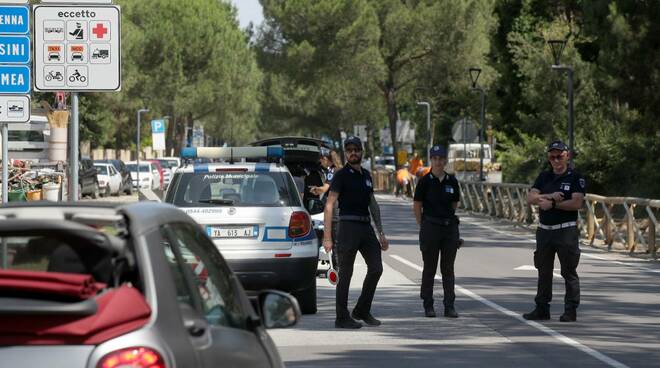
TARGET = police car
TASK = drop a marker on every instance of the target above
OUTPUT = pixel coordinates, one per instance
(254, 214)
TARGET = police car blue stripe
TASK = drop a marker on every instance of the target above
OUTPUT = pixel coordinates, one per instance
(262, 167)
(310, 236)
(201, 168)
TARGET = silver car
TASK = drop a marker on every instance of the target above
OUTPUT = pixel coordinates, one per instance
(137, 285)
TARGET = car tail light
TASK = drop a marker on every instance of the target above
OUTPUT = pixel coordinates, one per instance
(139, 357)
(299, 225)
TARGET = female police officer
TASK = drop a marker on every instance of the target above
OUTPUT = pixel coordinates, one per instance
(435, 201)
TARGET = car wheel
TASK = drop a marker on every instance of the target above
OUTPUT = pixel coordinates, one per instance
(95, 192)
(129, 191)
(307, 299)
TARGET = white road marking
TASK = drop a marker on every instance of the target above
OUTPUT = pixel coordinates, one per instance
(556, 335)
(587, 255)
(532, 268)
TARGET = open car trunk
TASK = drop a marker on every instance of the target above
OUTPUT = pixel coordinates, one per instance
(63, 287)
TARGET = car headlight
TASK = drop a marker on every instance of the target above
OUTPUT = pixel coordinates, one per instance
(102, 183)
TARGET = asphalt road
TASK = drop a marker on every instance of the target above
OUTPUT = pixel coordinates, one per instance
(618, 321)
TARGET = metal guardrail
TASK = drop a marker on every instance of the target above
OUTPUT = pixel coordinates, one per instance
(630, 223)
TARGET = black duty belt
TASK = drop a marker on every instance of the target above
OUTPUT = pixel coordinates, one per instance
(354, 218)
(439, 220)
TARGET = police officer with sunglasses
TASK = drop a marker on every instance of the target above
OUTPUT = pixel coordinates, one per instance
(352, 186)
(559, 194)
(436, 198)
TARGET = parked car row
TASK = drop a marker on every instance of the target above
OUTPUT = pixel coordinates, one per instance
(114, 177)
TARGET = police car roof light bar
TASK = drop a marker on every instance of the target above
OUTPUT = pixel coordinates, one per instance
(233, 153)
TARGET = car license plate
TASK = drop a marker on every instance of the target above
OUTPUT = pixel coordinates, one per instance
(232, 232)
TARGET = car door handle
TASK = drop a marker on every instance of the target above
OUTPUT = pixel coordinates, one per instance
(196, 326)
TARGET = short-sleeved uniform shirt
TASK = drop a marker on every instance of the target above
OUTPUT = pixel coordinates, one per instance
(568, 183)
(438, 195)
(354, 188)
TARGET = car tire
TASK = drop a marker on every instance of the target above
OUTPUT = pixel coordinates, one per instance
(107, 191)
(129, 191)
(307, 299)
(95, 192)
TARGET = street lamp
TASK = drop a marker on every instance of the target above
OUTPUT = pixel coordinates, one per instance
(474, 77)
(428, 128)
(138, 148)
(557, 48)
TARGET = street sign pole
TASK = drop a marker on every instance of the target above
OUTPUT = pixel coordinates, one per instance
(73, 170)
(5, 163)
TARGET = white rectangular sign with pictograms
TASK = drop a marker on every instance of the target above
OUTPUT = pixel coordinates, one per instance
(77, 48)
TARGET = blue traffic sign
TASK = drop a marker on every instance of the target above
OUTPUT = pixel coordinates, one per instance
(14, 49)
(158, 126)
(15, 79)
(14, 19)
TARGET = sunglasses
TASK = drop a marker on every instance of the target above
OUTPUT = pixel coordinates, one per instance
(351, 150)
(558, 157)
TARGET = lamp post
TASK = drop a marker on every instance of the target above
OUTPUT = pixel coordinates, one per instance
(138, 147)
(428, 128)
(474, 77)
(557, 48)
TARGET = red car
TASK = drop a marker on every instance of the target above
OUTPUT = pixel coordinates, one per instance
(161, 172)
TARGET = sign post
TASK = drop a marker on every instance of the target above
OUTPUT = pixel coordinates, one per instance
(158, 135)
(14, 76)
(77, 48)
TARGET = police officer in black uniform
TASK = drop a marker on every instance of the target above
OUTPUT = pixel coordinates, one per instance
(352, 186)
(435, 202)
(559, 194)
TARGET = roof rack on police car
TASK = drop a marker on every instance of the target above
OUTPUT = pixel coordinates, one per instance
(231, 154)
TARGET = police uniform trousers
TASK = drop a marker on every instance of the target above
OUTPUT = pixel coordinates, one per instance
(438, 240)
(356, 237)
(564, 242)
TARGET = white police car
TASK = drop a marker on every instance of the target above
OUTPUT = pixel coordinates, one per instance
(253, 213)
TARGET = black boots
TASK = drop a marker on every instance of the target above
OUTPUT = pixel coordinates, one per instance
(349, 323)
(540, 313)
(366, 318)
(570, 315)
(429, 312)
(450, 312)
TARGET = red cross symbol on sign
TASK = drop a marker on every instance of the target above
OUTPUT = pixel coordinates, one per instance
(99, 30)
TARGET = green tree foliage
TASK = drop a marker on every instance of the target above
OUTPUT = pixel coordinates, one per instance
(337, 63)
(188, 61)
(612, 47)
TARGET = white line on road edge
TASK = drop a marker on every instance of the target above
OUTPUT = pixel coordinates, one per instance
(532, 241)
(566, 340)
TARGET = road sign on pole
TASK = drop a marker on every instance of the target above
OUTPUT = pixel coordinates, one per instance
(77, 48)
(158, 135)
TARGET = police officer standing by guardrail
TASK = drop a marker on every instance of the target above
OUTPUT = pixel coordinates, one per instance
(435, 202)
(559, 194)
(352, 186)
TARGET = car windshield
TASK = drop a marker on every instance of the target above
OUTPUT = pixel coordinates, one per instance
(239, 189)
(143, 168)
(101, 169)
(167, 164)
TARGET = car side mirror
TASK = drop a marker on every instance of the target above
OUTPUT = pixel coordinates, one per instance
(278, 309)
(315, 206)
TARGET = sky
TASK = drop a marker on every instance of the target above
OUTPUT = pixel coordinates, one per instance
(248, 11)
